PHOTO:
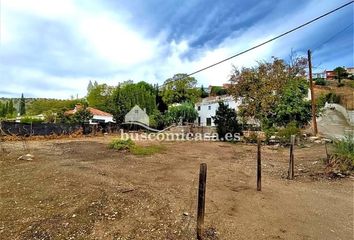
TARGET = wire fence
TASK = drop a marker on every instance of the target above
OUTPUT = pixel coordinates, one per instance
(46, 129)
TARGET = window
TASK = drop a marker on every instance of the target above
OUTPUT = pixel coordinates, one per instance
(209, 107)
(136, 111)
(208, 121)
(198, 108)
(198, 121)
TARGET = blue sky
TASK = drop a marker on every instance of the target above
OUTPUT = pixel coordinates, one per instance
(52, 48)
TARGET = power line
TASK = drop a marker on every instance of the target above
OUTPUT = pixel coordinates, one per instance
(268, 41)
(332, 37)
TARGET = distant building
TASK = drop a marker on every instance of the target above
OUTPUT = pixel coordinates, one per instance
(98, 115)
(208, 106)
(136, 114)
(319, 75)
(350, 70)
(330, 75)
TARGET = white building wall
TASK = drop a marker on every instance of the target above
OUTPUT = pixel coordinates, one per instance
(103, 118)
(208, 108)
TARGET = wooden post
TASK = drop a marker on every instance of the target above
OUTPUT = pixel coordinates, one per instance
(201, 200)
(291, 158)
(313, 104)
(259, 166)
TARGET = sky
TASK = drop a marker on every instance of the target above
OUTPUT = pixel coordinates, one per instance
(52, 48)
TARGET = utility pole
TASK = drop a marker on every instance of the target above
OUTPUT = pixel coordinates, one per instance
(313, 104)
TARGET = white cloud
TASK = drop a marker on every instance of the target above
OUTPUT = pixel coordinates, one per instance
(115, 42)
(126, 53)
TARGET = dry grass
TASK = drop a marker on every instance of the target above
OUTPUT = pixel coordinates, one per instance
(346, 92)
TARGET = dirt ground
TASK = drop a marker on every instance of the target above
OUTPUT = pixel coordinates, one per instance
(80, 189)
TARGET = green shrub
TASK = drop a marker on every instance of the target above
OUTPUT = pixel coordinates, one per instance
(332, 98)
(31, 120)
(120, 144)
(320, 81)
(129, 145)
(344, 152)
(284, 134)
(269, 132)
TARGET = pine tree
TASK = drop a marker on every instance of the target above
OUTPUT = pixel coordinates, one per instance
(89, 87)
(22, 107)
(6, 109)
(11, 107)
(226, 121)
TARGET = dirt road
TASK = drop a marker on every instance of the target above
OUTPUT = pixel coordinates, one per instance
(79, 189)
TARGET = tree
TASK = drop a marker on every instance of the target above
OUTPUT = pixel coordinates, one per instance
(203, 93)
(292, 106)
(340, 73)
(217, 91)
(82, 116)
(22, 107)
(226, 121)
(184, 112)
(99, 96)
(272, 91)
(11, 109)
(127, 95)
(89, 86)
(180, 88)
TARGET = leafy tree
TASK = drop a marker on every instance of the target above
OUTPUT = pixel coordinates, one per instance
(226, 121)
(292, 106)
(217, 91)
(99, 96)
(40, 106)
(22, 107)
(341, 73)
(180, 88)
(272, 91)
(128, 94)
(160, 103)
(184, 112)
(203, 93)
(83, 115)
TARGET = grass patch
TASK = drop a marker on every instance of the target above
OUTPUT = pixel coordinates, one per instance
(120, 144)
(344, 152)
(146, 150)
(129, 145)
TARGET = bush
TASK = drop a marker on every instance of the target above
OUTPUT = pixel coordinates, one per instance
(332, 98)
(269, 132)
(129, 145)
(31, 120)
(284, 134)
(340, 84)
(120, 144)
(344, 153)
(320, 81)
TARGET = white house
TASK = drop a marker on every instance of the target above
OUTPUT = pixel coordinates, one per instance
(208, 106)
(136, 114)
(98, 115)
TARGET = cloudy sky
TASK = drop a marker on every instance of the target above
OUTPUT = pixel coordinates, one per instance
(52, 48)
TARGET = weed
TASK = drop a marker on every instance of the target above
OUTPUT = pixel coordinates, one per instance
(120, 144)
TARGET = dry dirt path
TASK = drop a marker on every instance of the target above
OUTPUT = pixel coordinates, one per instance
(79, 189)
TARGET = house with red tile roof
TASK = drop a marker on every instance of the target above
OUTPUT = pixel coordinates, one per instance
(98, 115)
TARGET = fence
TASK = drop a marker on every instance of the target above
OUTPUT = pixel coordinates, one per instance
(42, 129)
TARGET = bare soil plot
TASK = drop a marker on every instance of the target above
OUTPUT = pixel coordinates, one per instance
(80, 189)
